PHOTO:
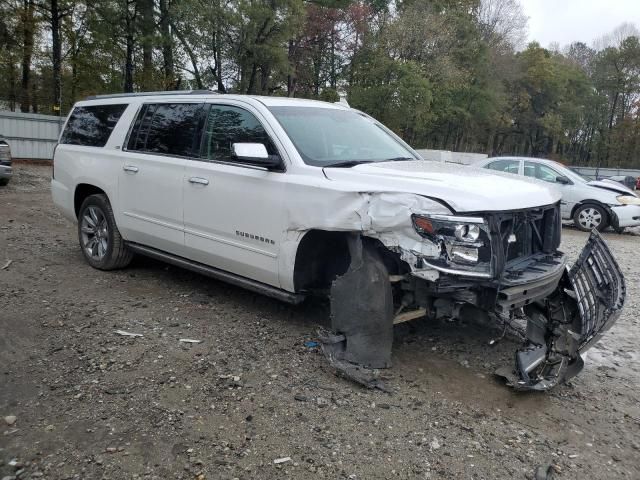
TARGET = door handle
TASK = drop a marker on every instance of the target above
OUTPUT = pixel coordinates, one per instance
(199, 180)
(130, 168)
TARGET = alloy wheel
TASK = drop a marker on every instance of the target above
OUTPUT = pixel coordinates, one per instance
(95, 233)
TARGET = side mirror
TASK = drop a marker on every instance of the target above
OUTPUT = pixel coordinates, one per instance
(256, 154)
(563, 180)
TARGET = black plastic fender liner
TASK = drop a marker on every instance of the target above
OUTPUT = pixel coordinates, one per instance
(587, 302)
(362, 310)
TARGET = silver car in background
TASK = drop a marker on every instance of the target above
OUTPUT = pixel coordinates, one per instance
(5, 162)
(590, 204)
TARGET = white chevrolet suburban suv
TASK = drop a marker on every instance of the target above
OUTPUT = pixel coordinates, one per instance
(293, 198)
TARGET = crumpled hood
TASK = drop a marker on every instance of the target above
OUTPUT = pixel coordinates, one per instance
(465, 189)
(612, 185)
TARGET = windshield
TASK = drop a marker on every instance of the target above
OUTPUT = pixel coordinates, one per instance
(331, 137)
(572, 174)
(580, 175)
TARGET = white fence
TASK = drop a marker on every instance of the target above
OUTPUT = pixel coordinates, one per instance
(30, 135)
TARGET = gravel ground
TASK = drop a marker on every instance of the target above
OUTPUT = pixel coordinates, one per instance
(252, 400)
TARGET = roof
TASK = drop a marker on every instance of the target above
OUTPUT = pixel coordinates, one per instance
(191, 94)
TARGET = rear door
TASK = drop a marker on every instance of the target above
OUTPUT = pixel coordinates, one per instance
(233, 211)
(163, 137)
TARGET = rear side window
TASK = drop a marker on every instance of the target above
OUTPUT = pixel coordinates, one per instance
(509, 166)
(91, 126)
(167, 128)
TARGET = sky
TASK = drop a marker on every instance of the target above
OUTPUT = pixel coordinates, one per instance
(565, 21)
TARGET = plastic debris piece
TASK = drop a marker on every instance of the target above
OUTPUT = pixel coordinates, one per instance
(282, 460)
(189, 340)
(128, 334)
(6, 265)
(311, 344)
(545, 472)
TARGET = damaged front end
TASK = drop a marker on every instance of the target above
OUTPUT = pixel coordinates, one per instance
(588, 300)
(501, 265)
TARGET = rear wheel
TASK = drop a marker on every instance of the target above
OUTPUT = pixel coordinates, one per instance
(3, 181)
(590, 216)
(102, 245)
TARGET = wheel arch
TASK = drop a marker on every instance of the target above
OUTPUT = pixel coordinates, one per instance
(612, 218)
(323, 255)
(589, 202)
(82, 191)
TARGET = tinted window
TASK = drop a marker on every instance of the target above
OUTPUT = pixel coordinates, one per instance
(167, 128)
(541, 172)
(509, 166)
(91, 126)
(227, 125)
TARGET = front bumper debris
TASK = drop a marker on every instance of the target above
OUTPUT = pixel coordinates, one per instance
(587, 302)
(567, 311)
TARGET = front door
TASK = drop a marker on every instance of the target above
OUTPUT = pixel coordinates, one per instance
(233, 212)
(547, 174)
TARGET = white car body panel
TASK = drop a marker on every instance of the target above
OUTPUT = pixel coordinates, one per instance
(484, 191)
(150, 200)
(235, 221)
(213, 223)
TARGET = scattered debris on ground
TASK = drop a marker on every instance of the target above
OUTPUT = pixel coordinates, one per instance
(89, 403)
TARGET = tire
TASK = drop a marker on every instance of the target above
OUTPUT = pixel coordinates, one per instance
(100, 241)
(4, 182)
(590, 216)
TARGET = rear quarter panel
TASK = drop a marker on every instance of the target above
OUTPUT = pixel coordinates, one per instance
(98, 166)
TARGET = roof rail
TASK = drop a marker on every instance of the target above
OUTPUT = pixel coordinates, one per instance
(147, 94)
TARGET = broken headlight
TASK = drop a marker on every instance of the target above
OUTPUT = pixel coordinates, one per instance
(463, 243)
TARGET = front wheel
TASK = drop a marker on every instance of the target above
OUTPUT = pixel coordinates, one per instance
(102, 245)
(590, 216)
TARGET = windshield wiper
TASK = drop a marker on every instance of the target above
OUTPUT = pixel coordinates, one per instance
(347, 163)
(398, 159)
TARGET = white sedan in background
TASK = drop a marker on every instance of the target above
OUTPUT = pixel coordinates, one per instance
(590, 204)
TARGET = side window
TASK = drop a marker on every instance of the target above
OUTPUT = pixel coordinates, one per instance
(167, 128)
(541, 172)
(530, 169)
(509, 166)
(92, 125)
(227, 125)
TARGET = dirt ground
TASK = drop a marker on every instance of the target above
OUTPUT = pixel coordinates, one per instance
(91, 404)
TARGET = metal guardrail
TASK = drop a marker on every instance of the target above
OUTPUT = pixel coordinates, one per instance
(606, 171)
